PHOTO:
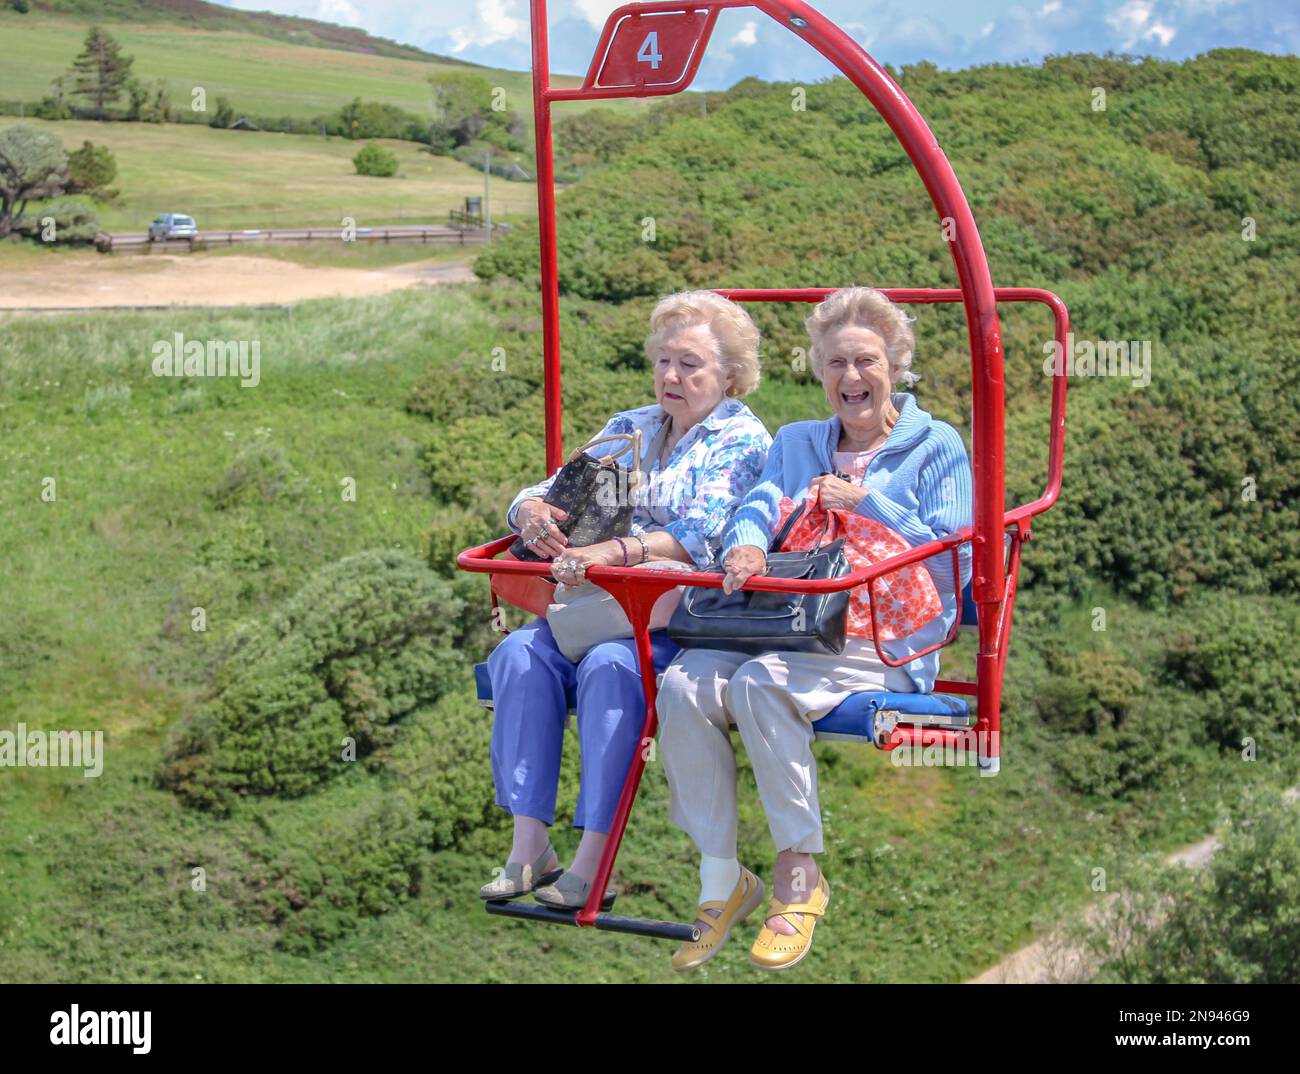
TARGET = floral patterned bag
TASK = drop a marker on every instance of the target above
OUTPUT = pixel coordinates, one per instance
(906, 599)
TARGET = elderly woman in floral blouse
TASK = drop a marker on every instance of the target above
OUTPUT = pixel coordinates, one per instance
(706, 448)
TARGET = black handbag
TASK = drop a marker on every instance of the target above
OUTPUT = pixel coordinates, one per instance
(596, 493)
(757, 622)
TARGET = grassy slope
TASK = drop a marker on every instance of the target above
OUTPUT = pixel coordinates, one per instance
(200, 13)
(936, 871)
(260, 76)
(300, 179)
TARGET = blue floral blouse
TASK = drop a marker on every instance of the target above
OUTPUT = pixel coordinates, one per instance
(691, 496)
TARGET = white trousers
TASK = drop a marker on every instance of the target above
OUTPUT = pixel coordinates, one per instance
(773, 700)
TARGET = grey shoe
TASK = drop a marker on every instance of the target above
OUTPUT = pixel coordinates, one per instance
(519, 879)
(569, 892)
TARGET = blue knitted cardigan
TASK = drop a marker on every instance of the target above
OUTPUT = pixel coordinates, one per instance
(920, 487)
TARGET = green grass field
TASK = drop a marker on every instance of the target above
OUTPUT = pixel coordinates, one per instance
(239, 179)
(260, 76)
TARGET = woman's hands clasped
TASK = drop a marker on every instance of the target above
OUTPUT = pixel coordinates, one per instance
(742, 563)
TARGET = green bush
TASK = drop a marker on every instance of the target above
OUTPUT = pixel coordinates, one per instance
(470, 387)
(480, 451)
(318, 893)
(365, 641)
(443, 765)
(224, 116)
(259, 473)
(1236, 666)
(1236, 921)
(375, 160)
(66, 221)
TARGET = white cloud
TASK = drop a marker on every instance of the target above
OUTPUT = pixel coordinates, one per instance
(597, 11)
(1133, 22)
(747, 35)
(339, 11)
(1050, 8)
(494, 20)
(1164, 34)
(986, 29)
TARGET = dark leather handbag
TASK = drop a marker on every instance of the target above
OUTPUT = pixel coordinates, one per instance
(596, 493)
(758, 623)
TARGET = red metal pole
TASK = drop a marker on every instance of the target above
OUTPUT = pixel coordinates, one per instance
(546, 235)
(637, 598)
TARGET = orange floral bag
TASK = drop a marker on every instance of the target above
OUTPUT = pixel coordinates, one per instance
(906, 599)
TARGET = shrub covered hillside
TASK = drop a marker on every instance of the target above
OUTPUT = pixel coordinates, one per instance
(298, 789)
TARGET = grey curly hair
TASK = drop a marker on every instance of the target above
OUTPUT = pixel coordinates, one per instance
(865, 307)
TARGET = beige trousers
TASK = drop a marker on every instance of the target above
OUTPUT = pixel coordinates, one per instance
(773, 700)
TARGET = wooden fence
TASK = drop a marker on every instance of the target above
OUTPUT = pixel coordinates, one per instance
(138, 242)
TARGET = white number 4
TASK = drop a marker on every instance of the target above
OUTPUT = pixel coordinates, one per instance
(649, 50)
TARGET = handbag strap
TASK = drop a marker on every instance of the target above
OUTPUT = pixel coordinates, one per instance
(632, 439)
(784, 532)
(795, 515)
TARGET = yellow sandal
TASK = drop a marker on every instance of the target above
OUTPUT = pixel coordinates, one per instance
(776, 951)
(745, 898)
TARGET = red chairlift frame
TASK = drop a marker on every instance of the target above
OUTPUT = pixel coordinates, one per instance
(994, 578)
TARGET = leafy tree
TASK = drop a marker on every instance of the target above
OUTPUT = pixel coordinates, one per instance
(138, 95)
(462, 108)
(101, 69)
(33, 164)
(374, 159)
(90, 168)
(54, 105)
(161, 109)
(224, 115)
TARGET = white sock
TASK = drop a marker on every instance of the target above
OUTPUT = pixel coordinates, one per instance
(718, 878)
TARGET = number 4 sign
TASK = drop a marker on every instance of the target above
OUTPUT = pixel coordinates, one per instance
(653, 50)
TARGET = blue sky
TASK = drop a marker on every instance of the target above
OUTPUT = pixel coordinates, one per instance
(950, 33)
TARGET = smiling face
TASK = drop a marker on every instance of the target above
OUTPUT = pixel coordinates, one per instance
(689, 377)
(855, 374)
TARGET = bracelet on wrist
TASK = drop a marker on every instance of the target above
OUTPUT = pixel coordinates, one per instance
(645, 549)
(623, 545)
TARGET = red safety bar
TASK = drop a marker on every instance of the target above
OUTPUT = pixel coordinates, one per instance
(653, 49)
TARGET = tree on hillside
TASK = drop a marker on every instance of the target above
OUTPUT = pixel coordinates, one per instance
(138, 94)
(90, 169)
(33, 164)
(101, 69)
(224, 116)
(54, 105)
(462, 108)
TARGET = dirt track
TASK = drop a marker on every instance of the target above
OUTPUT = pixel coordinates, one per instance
(163, 280)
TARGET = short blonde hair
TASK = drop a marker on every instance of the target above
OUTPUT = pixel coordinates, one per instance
(735, 333)
(865, 307)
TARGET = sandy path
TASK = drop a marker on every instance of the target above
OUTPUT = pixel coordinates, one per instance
(166, 280)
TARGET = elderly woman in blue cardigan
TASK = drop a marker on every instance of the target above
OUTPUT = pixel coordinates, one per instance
(703, 448)
(879, 455)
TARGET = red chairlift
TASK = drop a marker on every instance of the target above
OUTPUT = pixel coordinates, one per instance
(653, 49)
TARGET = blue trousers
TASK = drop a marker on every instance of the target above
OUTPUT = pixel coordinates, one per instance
(531, 679)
